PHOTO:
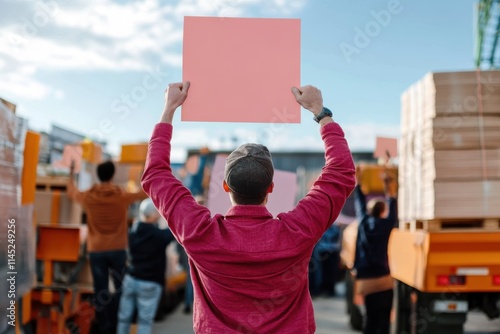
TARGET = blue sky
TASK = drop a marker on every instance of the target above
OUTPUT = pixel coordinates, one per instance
(73, 62)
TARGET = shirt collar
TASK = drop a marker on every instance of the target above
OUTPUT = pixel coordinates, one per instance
(253, 211)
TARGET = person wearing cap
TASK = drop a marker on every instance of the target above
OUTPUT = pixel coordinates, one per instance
(143, 284)
(249, 269)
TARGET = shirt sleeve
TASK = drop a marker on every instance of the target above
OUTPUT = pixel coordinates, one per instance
(135, 196)
(73, 192)
(173, 200)
(321, 206)
(392, 217)
(360, 204)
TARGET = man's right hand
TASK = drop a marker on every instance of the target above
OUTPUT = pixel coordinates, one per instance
(309, 97)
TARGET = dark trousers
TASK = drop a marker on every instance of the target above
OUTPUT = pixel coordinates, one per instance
(106, 304)
(378, 312)
(323, 272)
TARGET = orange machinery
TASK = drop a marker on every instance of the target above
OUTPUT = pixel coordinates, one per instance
(51, 306)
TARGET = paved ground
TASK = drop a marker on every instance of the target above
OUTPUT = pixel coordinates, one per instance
(330, 318)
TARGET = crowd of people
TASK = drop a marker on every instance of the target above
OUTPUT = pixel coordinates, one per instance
(248, 271)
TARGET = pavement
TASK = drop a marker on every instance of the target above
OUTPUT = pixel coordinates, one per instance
(330, 315)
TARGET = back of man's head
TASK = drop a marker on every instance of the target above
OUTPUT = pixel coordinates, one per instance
(249, 173)
(148, 212)
(376, 207)
(106, 171)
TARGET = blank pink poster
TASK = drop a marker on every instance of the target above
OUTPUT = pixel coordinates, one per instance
(241, 69)
(282, 199)
(386, 146)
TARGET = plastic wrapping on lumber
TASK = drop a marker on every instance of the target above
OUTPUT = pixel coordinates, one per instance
(15, 217)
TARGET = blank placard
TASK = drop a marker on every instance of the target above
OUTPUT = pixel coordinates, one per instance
(241, 69)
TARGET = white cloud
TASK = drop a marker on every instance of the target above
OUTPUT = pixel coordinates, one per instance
(363, 136)
(59, 94)
(279, 138)
(57, 35)
(23, 86)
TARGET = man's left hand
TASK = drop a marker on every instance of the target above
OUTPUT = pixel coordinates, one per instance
(175, 95)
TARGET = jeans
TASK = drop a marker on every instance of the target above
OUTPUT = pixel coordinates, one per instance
(378, 312)
(102, 265)
(140, 294)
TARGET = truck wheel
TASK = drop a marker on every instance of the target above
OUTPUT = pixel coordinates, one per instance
(402, 307)
(356, 318)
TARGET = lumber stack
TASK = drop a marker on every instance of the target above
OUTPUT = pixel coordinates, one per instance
(450, 147)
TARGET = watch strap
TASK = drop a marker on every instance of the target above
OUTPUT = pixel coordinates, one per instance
(324, 113)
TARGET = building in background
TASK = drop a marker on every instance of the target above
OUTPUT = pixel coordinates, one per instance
(52, 144)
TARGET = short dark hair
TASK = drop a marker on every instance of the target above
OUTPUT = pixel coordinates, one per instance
(243, 200)
(248, 173)
(106, 171)
(376, 207)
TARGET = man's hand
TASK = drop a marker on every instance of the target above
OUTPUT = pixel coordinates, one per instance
(175, 95)
(204, 150)
(309, 97)
(72, 169)
(389, 188)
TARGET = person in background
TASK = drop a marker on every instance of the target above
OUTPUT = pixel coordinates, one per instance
(324, 265)
(373, 276)
(249, 269)
(106, 206)
(145, 278)
(194, 182)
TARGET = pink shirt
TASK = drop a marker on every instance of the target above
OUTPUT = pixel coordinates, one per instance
(249, 270)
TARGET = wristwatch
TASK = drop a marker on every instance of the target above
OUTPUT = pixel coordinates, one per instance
(324, 112)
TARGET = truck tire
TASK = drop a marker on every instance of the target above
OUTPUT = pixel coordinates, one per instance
(425, 320)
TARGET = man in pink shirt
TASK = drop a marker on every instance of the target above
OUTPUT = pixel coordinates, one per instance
(249, 269)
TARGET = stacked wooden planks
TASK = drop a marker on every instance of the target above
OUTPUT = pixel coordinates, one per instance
(450, 148)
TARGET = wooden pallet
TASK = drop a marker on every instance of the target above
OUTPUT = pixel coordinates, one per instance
(490, 224)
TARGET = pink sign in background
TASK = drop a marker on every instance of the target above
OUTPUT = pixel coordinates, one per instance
(241, 69)
(386, 146)
(282, 199)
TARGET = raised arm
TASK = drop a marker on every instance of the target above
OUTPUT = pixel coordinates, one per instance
(135, 196)
(73, 192)
(390, 194)
(322, 204)
(172, 199)
(359, 197)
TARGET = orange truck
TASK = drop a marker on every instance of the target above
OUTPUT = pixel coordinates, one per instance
(440, 272)
(445, 256)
